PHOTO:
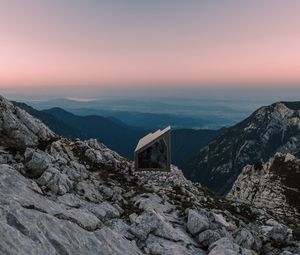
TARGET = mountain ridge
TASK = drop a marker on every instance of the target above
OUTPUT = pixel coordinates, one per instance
(270, 129)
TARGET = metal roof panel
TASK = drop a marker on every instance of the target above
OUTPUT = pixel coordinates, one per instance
(151, 137)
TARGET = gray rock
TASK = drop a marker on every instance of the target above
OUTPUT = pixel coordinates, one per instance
(160, 246)
(120, 226)
(144, 225)
(5, 157)
(279, 233)
(269, 188)
(207, 237)
(105, 211)
(225, 246)
(196, 222)
(153, 202)
(15, 189)
(57, 182)
(219, 218)
(132, 217)
(174, 233)
(81, 217)
(89, 191)
(107, 191)
(37, 162)
(71, 200)
(75, 172)
(247, 240)
(94, 156)
(20, 130)
(32, 224)
(115, 244)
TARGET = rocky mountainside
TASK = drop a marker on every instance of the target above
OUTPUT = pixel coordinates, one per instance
(272, 186)
(63, 196)
(271, 129)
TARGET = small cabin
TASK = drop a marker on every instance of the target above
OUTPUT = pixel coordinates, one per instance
(153, 152)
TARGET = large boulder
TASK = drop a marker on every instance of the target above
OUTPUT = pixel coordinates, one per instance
(226, 246)
(248, 240)
(55, 181)
(196, 222)
(36, 162)
(207, 237)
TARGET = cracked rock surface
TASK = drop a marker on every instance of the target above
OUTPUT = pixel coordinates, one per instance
(273, 186)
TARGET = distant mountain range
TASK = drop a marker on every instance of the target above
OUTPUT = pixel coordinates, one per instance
(270, 129)
(153, 113)
(56, 125)
(148, 120)
(118, 135)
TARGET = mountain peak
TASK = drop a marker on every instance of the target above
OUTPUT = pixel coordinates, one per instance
(270, 129)
(279, 110)
(291, 105)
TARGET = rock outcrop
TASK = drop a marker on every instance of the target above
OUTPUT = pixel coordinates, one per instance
(273, 186)
(61, 196)
(19, 130)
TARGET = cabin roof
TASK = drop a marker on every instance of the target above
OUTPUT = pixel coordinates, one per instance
(151, 137)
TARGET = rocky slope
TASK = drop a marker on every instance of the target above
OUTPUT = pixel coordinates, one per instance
(271, 129)
(61, 196)
(272, 186)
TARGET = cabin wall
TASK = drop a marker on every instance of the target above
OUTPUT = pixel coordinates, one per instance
(156, 154)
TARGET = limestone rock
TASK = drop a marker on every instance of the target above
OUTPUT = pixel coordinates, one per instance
(207, 237)
(247, 240)
(105, 211)
(54, 180)
(225, 246)
(271, 186)
(36, 162)
(20, 130)
(196, 222)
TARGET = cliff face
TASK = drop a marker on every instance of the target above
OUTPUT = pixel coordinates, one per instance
(62, 196)
(270, 129)
(273, 186)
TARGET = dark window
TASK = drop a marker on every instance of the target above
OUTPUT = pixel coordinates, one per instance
(154, 157)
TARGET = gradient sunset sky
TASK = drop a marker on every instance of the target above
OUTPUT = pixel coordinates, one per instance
(136, 43)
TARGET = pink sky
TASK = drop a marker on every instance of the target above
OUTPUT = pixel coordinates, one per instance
(134, 43)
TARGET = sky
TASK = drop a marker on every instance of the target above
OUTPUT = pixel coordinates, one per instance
(122, 44)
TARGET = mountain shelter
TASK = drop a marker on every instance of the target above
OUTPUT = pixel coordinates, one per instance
(153, 152)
